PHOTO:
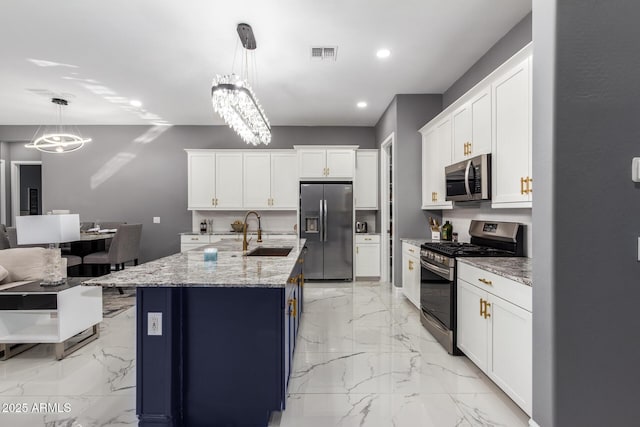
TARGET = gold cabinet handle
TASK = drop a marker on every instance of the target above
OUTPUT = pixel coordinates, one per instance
(301, 279)
(486, 282)
(522, 180)
(369, 238)
(481, 307)
(469, 148)
(529, 181)
(487, 304)
(410, 250)
(194, 238)
(213, 202)
(294, 303)
(357, 249)
(410, 265)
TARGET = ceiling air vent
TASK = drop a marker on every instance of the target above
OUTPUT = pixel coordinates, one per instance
(324, 53)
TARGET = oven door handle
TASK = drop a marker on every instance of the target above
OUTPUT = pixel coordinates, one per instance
(445, 273)
(466, 178)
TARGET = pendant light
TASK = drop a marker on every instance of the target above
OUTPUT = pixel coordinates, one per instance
(60, 139)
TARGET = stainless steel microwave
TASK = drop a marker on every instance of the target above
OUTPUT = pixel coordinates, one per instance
(469, 179)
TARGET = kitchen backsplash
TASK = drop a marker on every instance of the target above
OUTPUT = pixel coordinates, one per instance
(280, 221)
(463, 213)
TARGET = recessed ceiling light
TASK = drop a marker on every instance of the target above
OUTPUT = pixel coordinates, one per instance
(362, 104)
(135, 103)
(383, 53)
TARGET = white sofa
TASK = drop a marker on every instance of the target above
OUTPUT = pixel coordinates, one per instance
(22, 265)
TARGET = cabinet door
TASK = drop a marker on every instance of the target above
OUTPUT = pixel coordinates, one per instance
(429, 138)
(512, 142)
(340, 163)
(480, 107)
(201, 180)
(367, 260)
(312, 163)
(461, 132)
(510, 362)
(438, 156)
(366, 185)
(472, 327)
(411, 278)
(257, 180)
(229, 180)
(284, 180)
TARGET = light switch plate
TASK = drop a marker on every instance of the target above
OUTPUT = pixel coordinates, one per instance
(635, 169)
(156, 220)
(154, 323)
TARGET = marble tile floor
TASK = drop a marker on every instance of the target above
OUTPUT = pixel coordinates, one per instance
(362, 359)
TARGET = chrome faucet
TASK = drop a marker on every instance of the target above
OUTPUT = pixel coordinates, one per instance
(245, 244)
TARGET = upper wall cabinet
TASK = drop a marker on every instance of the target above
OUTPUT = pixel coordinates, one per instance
(270, 180)
(472, 127)
(366, 182)
(321, 162)
(512, 180)
(214, 180)
(436, 155)
(242, 179)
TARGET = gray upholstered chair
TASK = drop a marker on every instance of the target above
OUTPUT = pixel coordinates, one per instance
(4, 240)
(125, 247)
(85, 225)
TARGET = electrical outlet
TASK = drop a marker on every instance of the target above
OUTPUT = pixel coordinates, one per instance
(156, 220)
(154, 323)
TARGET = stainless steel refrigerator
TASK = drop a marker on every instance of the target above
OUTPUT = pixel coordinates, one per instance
(326, 221)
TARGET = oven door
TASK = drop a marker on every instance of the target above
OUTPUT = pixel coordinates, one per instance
(436, 292)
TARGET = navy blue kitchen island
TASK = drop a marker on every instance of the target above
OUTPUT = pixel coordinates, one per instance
(215, 340)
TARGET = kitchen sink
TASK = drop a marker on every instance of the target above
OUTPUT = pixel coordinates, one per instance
(261, 251)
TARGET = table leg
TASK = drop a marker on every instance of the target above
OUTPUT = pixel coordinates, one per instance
(10, 350)
(62, 351)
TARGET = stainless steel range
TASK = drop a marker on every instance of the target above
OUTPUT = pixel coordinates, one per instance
(438, 273)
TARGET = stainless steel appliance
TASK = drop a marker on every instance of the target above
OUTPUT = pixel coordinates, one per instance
(469, 179)
(326, 221)
(438, 273)
(361, 227)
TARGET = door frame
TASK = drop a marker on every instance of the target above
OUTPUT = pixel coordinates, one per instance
(385, 148)
(3, 194)
(15, 185)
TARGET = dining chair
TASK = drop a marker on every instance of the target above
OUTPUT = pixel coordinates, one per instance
(125, 247)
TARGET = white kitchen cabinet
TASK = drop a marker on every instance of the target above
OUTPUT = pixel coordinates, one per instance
(326, 162)
(270, 180)
(194, 241)
(367, 255)
(436, 155)
(257, 180)
(201, 180)
(411, 273)
(511, 164)
(228, 179)
(366, 182)
(494, 330)
(284, 180)
(472, 127)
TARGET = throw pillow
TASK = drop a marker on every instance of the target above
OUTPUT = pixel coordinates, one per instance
(3, 273)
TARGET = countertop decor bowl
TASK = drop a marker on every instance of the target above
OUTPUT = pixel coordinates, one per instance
(237, 227)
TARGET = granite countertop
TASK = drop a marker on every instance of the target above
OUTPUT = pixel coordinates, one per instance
(230, 270)
(514, 268)
(417, 241)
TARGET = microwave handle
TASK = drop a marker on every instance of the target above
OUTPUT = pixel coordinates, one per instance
(466, 178)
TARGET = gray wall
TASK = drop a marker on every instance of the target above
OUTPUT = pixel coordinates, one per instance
(133, 173)
(517, 38)
(586, 131)
(404, 116)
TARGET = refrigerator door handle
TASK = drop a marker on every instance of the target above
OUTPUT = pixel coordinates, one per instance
(324, 218)
(321, 220)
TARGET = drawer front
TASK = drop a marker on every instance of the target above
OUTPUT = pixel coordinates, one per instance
(367, 238)
(197, 238)
(512, 291)
(29, 302)
(409, 249)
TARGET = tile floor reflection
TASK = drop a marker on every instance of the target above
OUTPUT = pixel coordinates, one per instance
(362, 359)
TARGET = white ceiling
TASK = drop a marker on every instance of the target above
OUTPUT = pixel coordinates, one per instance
(165, 54)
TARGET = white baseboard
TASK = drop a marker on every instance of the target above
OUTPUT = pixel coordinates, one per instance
(533, 423)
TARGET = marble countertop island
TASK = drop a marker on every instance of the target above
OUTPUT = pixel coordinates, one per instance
(518, 269)
(232, 269)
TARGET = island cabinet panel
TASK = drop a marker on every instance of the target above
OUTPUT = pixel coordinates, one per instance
(222, 356)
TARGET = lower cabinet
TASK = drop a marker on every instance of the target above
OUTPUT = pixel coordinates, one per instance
(367, 255)
(495, 330)
(411, 273)
(194, 241)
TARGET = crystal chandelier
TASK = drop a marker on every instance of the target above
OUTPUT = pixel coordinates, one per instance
(59, 140)
(234, 100)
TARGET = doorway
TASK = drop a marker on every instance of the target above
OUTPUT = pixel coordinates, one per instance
(3, 194)
(386, 203)
(26, 188)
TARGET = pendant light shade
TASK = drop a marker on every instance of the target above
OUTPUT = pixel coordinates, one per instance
(61, 139)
